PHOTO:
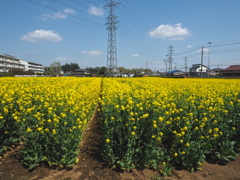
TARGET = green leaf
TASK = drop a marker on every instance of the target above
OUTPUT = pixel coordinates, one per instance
(32, 166)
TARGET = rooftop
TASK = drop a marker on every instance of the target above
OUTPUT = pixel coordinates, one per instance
(232, 68)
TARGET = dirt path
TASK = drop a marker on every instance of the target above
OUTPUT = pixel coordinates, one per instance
(91, 167)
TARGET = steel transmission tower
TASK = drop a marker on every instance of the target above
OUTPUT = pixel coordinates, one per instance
(111, 28)
(170, 58)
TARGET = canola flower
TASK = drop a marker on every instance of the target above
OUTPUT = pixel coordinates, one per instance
(174, 120)
(147, 121)
(48, 115)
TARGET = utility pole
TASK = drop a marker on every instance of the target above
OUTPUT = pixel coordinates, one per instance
(170, 58)
(186, 64)
(111, 28)
(166, 62)
(201, 61)
(146, 67)
(209, 57)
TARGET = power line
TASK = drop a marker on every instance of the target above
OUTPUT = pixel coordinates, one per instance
(65, 13)
(75, 22)
(75, 8)
(79, 3)
(137, 26)
(145, 23)
(206, 47)
(138, 38)
(224, 44)
(218, 51)
(129, 30)
(89, 1)
(21, 6)
(187, 52)
(142, 49)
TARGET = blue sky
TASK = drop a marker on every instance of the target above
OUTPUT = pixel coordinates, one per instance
(45, 31)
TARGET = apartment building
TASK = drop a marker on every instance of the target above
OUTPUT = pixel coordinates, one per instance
(8, 62)
(37, 68)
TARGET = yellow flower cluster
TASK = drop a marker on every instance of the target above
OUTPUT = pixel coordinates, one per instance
(49, 113)
(188, 116)
(146, 120)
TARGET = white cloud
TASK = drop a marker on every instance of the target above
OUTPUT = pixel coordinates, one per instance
(172, 32)
(42, 35)
(63, 59)
(135, 55)
(59, 15)
(92, 53)
(95, 11)
(189, 46)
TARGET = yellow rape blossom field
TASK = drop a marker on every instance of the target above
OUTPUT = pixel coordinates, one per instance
(151, 122)
(48, 115)
(156, 123)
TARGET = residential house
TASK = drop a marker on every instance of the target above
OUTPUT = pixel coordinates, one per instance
(177, 73)
(198, 70)
(80, 73)
(233, 70)
(214, 72)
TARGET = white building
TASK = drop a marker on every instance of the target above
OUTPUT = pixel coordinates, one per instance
(8, 62)
(37, 68)
(198, 70)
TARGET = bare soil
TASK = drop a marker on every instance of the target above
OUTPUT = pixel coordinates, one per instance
(91, 167)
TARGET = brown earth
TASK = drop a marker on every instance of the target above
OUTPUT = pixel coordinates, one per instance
(90, 166)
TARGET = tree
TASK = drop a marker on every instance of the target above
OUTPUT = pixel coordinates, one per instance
(70, 67)
(74, 66)
(55, 68)
(122, 70)
(92, 70)
(16, 71)
(29, 72)
(102, 71)
(47, 71)
(148, 71)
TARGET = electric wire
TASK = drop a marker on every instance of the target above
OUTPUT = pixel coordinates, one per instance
(134, 23)
(137, 40)
(75, 9)
(65, 13)
(224, 45)
(145, 23)
(145, 42)
(126, 40)
(79, 3)
(75, 22)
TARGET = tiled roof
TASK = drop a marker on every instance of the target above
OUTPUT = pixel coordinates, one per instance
(232, 68)
(195, 66)
(174, 71)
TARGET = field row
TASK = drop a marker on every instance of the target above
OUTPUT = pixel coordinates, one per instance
(153, 122)
(150, 122)
(49, 115)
